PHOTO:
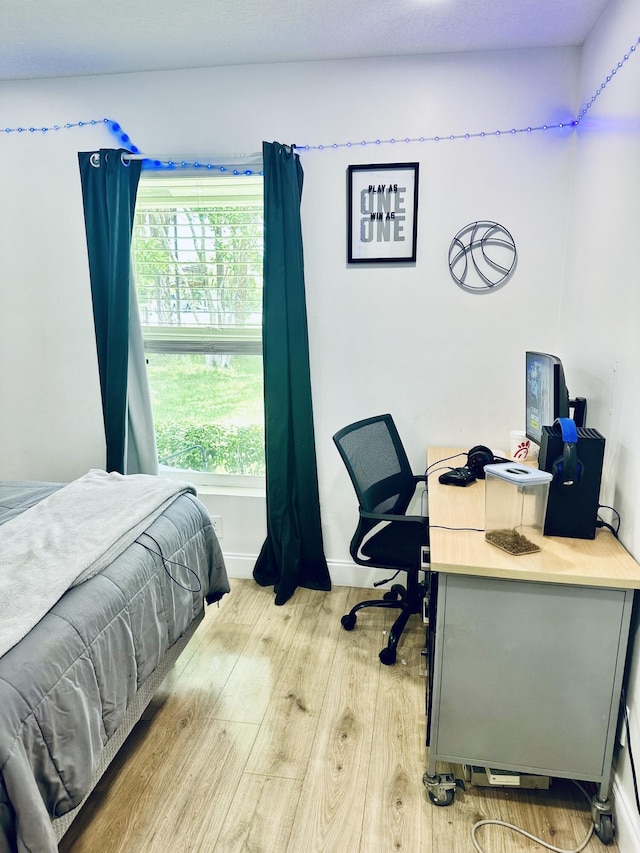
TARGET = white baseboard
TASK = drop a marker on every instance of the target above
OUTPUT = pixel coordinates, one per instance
(239, 565)
(626, 819)
(349, 574)
(342, 573)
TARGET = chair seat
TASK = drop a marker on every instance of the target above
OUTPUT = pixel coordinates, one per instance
(390, 548)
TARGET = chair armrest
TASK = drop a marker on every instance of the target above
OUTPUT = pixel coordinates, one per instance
(387, 516)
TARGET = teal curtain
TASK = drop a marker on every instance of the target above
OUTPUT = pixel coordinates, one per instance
(293, 552)
(109, 187)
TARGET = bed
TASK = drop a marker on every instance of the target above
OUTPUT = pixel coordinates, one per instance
(73, 684)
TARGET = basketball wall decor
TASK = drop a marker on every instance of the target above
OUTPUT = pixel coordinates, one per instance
(482, 257)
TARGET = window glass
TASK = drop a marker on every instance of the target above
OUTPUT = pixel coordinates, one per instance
(197, 251)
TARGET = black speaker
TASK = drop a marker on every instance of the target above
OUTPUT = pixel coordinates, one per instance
(574, 455)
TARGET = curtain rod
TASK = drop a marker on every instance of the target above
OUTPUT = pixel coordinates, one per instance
(229, 158)
(229, 165)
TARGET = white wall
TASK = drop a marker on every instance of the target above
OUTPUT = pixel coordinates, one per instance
(50, 421)
(601, 305)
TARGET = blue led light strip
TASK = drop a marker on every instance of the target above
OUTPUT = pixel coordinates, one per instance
(170, 165)
(484, 134)
(451, 136)
(125, 140)
(113, 126)
(607, 80)
(154, 164)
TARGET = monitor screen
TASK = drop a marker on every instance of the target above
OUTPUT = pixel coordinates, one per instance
(546, 395)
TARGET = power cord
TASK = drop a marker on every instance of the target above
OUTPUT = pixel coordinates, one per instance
(601, 523)
(428, 470)
(387, 580)
(511, 826)
(166, 560)
(627, 728)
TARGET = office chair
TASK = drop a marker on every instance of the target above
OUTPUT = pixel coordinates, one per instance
(385, 537)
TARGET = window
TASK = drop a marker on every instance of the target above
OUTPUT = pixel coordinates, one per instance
(197, 256)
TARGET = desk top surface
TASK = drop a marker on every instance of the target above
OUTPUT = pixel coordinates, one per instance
(602, 561)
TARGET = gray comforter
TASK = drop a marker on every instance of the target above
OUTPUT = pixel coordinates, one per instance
(65, 687)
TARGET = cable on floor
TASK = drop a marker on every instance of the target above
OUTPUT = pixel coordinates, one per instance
(511, 826)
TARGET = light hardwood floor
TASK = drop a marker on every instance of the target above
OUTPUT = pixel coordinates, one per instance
(278, 731)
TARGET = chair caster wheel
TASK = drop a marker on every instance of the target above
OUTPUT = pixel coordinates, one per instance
(387, 656)
(396, 593)
(348, 622)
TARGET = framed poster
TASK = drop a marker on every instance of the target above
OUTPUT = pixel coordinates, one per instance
(382, 213)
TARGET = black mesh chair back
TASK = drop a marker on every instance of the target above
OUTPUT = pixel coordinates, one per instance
(377, 464)
(386, 537)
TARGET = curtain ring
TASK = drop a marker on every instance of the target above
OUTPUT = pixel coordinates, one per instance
(95, 159)
(124, 159)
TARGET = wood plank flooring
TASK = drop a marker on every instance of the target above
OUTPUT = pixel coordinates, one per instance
(278, 731)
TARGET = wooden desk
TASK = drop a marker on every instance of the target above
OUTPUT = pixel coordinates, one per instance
(529, 651)
(601, 562)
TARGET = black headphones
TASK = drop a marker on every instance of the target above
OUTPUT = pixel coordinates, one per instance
(478, 457)
(567, 469)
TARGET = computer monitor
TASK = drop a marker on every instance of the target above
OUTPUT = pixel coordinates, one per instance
(547, 397)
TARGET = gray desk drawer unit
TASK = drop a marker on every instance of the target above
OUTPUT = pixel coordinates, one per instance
(527, 676)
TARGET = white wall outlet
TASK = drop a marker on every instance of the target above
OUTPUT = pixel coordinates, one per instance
(217, 525)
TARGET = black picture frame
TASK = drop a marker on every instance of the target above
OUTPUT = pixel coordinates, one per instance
(382, 213)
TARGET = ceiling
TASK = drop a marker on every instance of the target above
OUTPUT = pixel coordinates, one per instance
(63, 38)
